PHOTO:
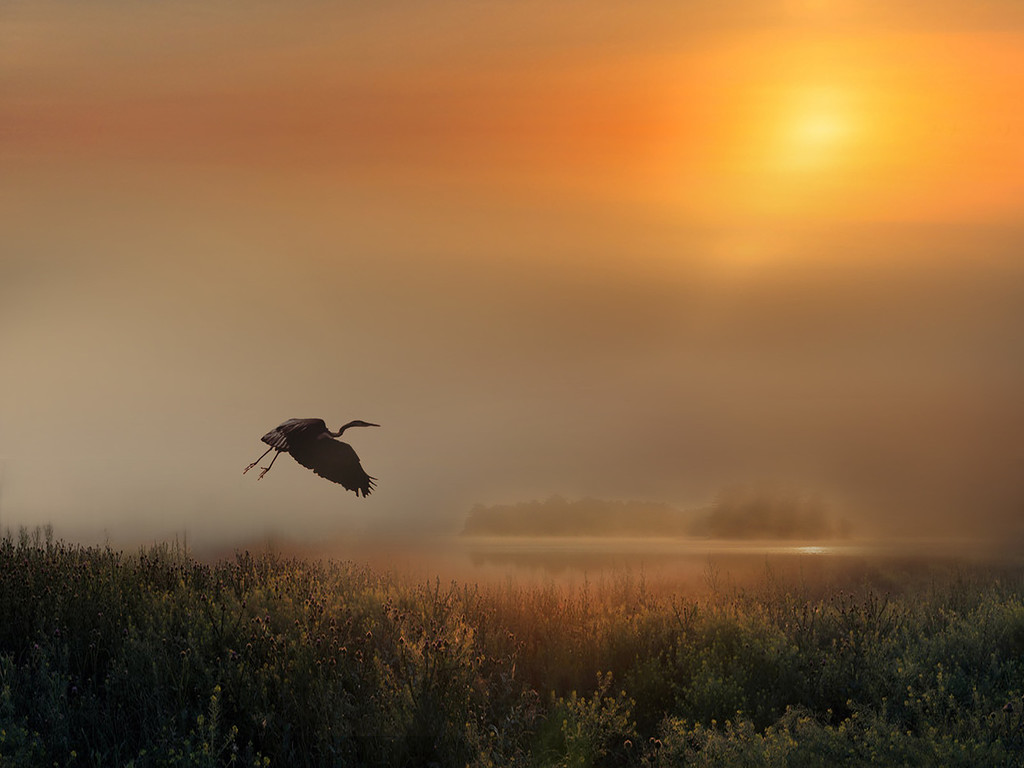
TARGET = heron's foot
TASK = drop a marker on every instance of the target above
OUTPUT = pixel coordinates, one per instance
(249, 467)
(265, 470)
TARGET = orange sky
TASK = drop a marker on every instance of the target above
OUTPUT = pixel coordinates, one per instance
(733, 242)
(809, 113)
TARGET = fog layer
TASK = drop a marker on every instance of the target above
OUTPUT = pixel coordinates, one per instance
(532, 258)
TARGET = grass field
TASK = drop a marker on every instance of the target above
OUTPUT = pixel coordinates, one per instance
(155, 659)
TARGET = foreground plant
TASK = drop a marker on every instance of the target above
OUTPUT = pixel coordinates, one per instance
(155, 659)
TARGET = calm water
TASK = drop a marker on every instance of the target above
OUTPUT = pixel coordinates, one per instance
(675, 563)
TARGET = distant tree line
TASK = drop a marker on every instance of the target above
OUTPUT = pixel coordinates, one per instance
(738, 513)
(557, 516)
(773, 513)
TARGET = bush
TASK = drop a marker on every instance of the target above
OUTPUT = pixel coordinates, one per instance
(155, 659)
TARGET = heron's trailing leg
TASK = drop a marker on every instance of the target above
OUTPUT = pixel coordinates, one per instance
(258, 460)
(267, 468)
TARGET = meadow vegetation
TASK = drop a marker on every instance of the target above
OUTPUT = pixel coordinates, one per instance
(155, 659)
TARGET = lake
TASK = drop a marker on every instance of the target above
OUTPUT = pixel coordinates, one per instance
(677, 564)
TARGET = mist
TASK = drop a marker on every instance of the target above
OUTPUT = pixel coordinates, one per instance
(143, 362)
(514, 255)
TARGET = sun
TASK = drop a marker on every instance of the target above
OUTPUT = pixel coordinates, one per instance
(801, 153)
(816, 130)
(808, 148)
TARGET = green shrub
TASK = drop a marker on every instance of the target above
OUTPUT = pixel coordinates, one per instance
(155, 659)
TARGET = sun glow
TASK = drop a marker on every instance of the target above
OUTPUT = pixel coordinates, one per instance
(817, 129)
(800, 150)
(854, 127)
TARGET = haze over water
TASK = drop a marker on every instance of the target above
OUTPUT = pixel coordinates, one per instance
(629, 253)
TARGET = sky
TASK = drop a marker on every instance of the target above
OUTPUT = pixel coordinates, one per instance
(630, 251)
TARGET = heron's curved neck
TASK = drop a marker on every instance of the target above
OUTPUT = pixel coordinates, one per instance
(344, 427)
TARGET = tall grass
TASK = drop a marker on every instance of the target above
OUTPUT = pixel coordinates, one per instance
(155, 659)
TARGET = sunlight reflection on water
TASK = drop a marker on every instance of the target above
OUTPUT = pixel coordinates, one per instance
(816, 550)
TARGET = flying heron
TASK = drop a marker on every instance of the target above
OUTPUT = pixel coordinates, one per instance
(313, 445)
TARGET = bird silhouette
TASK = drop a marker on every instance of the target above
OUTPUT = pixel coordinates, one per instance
(313, 445)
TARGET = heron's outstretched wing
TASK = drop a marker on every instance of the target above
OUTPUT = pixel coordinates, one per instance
(336, 461)
(288, 434)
